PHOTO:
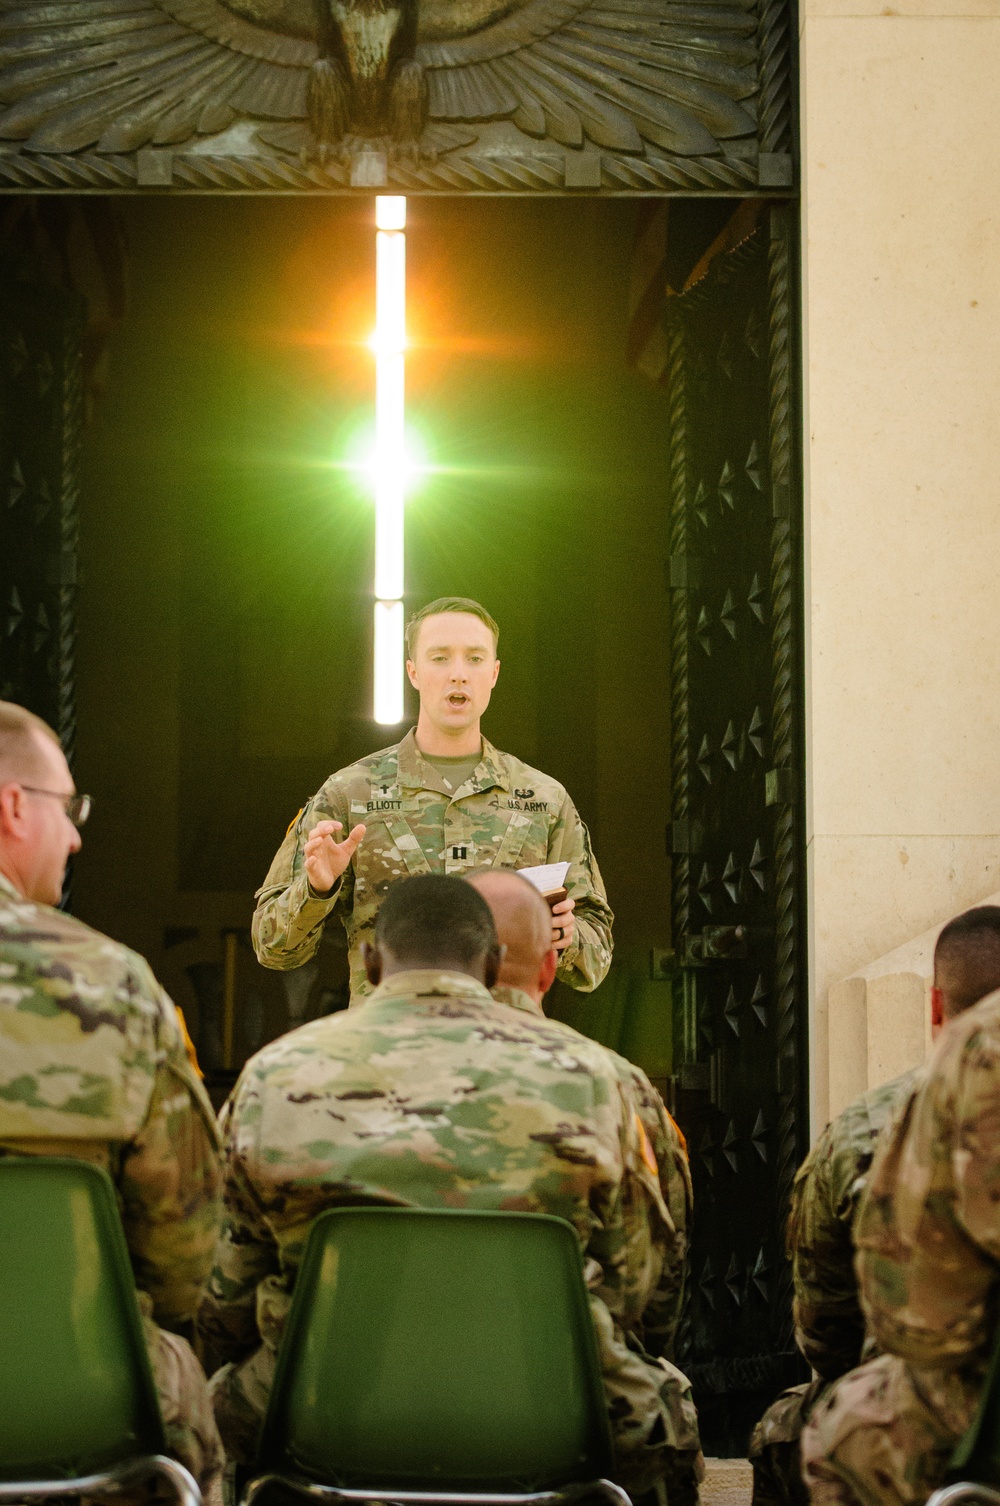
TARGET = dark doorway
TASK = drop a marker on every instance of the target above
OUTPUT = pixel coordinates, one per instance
(224, 659)
(225, 629)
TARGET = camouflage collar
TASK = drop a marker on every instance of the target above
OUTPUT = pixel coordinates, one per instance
(516, 998)
(9, 889)
(415, 773)
(421, 983)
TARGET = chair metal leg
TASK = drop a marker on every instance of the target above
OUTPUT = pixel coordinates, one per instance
(352, 1497)
(621, 1497)
(116, 1480)
(965, 1493)
(184, 1483)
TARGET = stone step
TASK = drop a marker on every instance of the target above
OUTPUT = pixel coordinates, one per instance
(727, 1482)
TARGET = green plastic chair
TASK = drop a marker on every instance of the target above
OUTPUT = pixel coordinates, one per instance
(438, 1356)
(78, 1408)
(974, 1468)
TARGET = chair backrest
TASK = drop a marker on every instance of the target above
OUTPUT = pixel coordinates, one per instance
(76, 1392)
(439, 1349)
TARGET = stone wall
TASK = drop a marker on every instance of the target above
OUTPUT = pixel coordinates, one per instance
(902, 458)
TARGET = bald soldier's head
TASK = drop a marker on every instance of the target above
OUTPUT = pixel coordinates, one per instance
(524, 926)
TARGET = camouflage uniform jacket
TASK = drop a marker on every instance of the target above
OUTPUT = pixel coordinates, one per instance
(507, 815)
(432, 1094)
(663, 1311)
(928, 1228)
(829, 1326)
(93, 1065)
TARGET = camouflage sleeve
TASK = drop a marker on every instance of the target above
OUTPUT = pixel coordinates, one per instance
(663, 1311)
(245, 1253)
(584, 964)
(929, 1225)
(288, 921)
(170, 1183)
(649, 1401)
(928, 1228)
(829, 1326)
(975, 1149)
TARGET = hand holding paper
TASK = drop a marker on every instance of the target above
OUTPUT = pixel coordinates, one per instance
(549, 879)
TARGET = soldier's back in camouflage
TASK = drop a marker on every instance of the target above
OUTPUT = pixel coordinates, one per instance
(523, 926)
(662, 1313)
(829, 1324)
(928, 1238)
(927, 1235)
(93, 1066)
(432, 1093)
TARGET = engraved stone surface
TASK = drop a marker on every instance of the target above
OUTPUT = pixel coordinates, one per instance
(609, 96)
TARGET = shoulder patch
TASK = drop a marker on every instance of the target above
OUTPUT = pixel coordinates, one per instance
(647, 1149)
(294, 819)
(679, 1132)
(189, 1047)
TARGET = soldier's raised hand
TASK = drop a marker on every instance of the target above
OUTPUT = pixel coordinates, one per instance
(326, 858)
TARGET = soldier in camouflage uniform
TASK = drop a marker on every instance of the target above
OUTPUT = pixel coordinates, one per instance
(526, 975)
(93, 1066)
(431, 1093)
(444, 800)
(829, 1325)
(927, 1232)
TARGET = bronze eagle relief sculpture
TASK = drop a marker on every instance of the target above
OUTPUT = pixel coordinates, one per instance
(314, 77)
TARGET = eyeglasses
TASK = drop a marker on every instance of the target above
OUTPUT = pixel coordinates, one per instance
(77, 807)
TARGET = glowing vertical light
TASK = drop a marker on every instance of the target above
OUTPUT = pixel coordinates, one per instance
(389, 662)
(389, 345)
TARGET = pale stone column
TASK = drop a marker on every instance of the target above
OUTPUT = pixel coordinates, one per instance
(901, 267)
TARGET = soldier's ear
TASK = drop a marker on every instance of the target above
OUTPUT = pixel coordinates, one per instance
(372, 959)
(937, 1009)
(547, 972)
(492, 964)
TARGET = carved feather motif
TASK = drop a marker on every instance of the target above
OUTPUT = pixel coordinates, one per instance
(117, 75)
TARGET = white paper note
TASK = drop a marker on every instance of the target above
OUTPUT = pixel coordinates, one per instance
(547, 878)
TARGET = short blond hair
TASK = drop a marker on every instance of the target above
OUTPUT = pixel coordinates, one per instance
(448, 604)
(18, 756)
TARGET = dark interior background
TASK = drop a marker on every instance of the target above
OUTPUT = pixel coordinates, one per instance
(226, 560)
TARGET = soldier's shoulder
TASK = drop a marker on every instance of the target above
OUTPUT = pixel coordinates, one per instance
(599, 1060)
(873, 1110)
(357, 774)
(62, 945)
(969, 1030)
(842, 1157)
(636, 1079)
(295, 1045)
(965, 1060)
(525, 776)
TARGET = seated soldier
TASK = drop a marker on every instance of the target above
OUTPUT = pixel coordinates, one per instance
(527, 972)
(331, 1115)
(829, 1326)
(92, 1065)
(927, 1233)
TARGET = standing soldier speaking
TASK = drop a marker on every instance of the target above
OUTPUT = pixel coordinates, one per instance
(441, 801)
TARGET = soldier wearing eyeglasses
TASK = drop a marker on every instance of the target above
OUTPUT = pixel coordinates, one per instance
(93, 1065)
